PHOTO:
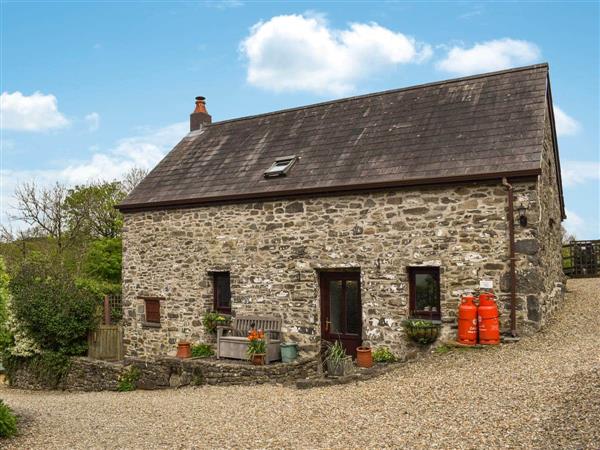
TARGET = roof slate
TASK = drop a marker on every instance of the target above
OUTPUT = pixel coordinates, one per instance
(479, 126)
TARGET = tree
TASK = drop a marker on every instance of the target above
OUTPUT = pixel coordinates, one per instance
(45, 209)
(132, 179)
(103, 260)
(566, 236)
(91, 209)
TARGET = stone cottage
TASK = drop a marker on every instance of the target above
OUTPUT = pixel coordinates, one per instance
(343, 218)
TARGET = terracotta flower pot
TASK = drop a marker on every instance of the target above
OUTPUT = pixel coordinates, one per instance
(364, 357)
(258, 359)
(184, 350)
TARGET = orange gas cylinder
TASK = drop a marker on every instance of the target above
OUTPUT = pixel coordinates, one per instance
(467, 321)
(487, 316)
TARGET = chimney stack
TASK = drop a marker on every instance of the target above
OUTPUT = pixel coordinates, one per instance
(199, 117)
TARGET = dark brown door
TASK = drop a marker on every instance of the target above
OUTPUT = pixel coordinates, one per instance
(341, 311)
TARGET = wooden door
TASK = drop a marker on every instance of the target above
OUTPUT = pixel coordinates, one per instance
(341, 311)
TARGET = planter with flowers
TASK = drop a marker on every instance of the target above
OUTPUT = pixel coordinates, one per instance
(257, 347)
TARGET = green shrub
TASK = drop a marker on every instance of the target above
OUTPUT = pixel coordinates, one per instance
(5, 334)
(8, 421)
(383, 355)
(212, 320)
(55, 312)
(128, 379)
(202, 351)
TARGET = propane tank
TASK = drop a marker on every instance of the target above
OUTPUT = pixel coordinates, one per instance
(467, 321)
(487, 316)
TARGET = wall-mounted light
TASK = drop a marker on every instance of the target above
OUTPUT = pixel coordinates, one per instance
(522, 216)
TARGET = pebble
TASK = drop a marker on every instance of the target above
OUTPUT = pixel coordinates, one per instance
(541, 392)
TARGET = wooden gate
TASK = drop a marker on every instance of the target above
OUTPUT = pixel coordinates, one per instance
(581, 259)
(106, 342)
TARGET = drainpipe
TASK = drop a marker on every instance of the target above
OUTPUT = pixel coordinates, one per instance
(510, 217)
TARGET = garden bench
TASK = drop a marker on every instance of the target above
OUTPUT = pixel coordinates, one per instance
(232, 341)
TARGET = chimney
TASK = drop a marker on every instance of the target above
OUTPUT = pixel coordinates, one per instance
(199, 117)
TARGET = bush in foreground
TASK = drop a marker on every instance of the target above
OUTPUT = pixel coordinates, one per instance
(53, 309)
(8, 421)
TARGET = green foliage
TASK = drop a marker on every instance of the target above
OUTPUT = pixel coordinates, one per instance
(202, 351)
(383, 355)
(212, 320)
(421, 331)
(442, 349)
(103, 260)
(98, 288)
(8, 421)
(56, 313)
(48, 368)
(128, 379)
(335, 352)
(91, 208)
(5, 335)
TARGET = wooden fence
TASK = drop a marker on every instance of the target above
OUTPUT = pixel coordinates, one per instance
(106, 342)
(581, 259)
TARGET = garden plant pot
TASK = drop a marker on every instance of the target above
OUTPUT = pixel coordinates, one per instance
(289, 351)
(258, 359)
(184, 350)
(425, 334)
(364, 357)
(339, 368)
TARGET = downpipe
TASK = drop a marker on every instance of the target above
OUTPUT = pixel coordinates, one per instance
(510, 217)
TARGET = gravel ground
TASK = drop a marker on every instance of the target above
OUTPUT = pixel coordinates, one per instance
(543, 392)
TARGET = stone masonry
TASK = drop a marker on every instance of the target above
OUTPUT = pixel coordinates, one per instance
(274, 250)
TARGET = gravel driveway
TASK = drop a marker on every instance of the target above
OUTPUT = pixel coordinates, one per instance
(543, 392)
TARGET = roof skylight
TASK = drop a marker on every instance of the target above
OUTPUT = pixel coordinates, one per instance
(280, 167)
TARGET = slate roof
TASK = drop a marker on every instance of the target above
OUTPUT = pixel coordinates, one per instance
(475, 127)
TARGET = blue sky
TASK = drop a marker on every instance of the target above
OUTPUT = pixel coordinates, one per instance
(91, 89)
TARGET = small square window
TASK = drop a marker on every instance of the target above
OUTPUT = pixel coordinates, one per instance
(424, 285)
(222, 292)
(280, 167)
(152, 310)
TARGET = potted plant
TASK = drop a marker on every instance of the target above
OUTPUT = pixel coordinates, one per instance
(421, 331)
(257, 347)
(338, 363)
(184, 350)
(213, 319)
(364, 357)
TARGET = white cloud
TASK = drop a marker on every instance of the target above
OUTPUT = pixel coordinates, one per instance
(302, 53)
(579, 172)
(36, 112)
(489, 56)
(565, 124)
(93, 121)
(574, 223)
(142, 151)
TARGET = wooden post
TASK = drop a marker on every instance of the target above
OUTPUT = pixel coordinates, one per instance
(106, 311)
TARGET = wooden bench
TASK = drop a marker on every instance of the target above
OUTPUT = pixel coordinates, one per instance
(232, 341)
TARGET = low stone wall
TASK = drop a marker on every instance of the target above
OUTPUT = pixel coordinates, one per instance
(87, 374)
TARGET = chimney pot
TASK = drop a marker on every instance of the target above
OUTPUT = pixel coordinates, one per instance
(200, 116)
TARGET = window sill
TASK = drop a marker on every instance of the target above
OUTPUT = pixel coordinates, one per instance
(150, 324)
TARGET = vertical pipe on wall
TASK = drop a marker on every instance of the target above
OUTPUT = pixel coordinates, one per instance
(510, 217)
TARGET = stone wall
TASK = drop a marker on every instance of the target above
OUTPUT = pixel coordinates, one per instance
(87, 374)
(275, 250)
(544, 298)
